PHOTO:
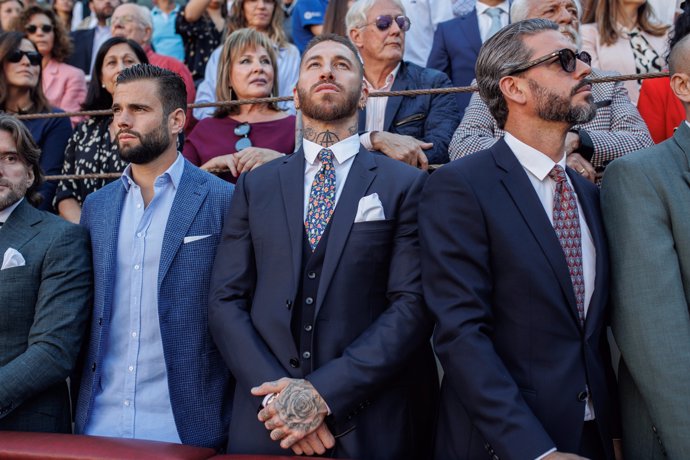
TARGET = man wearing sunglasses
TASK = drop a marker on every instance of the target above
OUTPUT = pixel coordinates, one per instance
(415, 130)
(514, 267)
(616, 130)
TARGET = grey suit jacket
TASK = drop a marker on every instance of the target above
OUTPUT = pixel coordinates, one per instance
(646, 207)
(44, 306)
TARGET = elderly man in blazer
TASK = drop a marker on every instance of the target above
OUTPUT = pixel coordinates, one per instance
(322, 322)
(151, 369)
(515, 268)
(646, 205)
(47, 286)
(616, 129)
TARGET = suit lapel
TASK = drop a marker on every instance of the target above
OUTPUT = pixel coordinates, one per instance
(190, 194)
(469, 27)
(399, 84)
(110, 214)
(362, 120)
(525, 198)
(358, 180)
(20, 227)
(682, 139)
(292, 186)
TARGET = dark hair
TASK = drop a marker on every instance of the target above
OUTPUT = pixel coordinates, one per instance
(27, 150)
(13, 25)
(499, 56)
(97, 98)
(10, 41)
(606, 17)
(338, 39)
(172, 91)
(681, 28)
(237, 20)
(62, 45)
(334, 20)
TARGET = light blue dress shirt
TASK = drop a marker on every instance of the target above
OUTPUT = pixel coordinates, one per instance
(164, 38)
(133, 399)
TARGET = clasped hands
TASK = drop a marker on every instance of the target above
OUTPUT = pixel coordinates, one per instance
(295, 416)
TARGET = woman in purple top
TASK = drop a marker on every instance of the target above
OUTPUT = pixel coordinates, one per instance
(241, 138)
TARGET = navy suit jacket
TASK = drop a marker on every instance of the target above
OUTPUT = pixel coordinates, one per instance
(199, 382)
(455, 50)
(429, 117)
(516, 360)
(83, 49)
(370, 353)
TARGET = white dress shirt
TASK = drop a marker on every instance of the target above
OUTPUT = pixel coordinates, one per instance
(343, 156)
(5, 213)
(376, 108)
(485, 20)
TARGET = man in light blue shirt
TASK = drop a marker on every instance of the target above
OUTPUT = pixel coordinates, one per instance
(164, 39)
(152, 371)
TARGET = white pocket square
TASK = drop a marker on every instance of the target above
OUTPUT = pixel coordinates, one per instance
(190, 239)
(369, 209)
(12, 258)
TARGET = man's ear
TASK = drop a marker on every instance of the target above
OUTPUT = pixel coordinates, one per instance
(295, 97)
(363, 97)
(356, 37)
(31, 177)
(680, 85)
(148, 33)
(514, 89)
(176, 121)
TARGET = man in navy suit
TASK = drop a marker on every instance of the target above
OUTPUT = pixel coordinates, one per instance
(457, 42)
(152, 370)
(316, 301)
(515, 267)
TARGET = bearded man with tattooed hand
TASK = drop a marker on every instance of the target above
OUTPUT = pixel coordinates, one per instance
(316, 303)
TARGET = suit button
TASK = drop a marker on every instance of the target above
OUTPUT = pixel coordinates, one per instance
(306, 355)
(309, 301)
(311, 275)
(100, 321)
(288, 304)
(582, 396)
(654, 428)
(308, 328)
(93, 367)
(294, 362)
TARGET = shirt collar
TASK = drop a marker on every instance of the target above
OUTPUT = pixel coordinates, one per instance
(342, 151)
(481, 7)
(534, 161)
(172, 174)
(5, 213)
(389, 79)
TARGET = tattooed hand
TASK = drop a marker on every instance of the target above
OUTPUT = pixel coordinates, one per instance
(297, 411)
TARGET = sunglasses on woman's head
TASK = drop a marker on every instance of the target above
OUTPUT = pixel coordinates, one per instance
(567, 58)
(17, 55)
(242, 130)
(46, 28)
(384, 22)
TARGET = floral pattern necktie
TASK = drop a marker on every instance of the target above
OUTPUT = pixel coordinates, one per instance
(321, 199)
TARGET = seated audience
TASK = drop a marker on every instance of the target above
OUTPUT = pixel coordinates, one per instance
(164, 38)
(307, 21)
(616, 129)
(624, 36)
(658, 105)
(23, 94)
(457, 42)
(63, 85)
(200, 24)
(135, 23)
(46, 295)
(65, 12)
(96, 30)
(415, 130)
(243, 137)
(10, 11)
(92, 148)
(265, 16)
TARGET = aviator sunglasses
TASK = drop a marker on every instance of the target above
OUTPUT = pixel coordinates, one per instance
(17, 55)
(45, 28)
(567, 57)
(242, 130)
(384, 22)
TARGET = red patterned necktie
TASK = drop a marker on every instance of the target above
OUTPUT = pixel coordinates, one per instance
(321, 199)
(566, 223)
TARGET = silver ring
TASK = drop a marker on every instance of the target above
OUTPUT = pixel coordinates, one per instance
(582, 171)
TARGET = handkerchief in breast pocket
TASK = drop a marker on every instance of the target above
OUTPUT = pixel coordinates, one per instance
(12, 258)
(370, 209)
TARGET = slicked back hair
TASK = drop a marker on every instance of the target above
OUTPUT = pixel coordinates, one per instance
(27, 150)
(171, 89)
(338, 39)
(499, 56)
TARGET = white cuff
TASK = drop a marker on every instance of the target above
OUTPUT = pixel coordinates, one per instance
(365, 140)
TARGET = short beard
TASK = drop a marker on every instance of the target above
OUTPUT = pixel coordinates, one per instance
(16, 193)
(328, 110)
(151, 145)
(552, 107)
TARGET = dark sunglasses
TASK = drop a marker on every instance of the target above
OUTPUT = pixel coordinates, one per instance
(385, 21)
(242, 130)
(567, 57)
(17, 55)
(46, 28)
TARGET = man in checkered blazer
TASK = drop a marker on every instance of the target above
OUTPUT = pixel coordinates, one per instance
(616, 130)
